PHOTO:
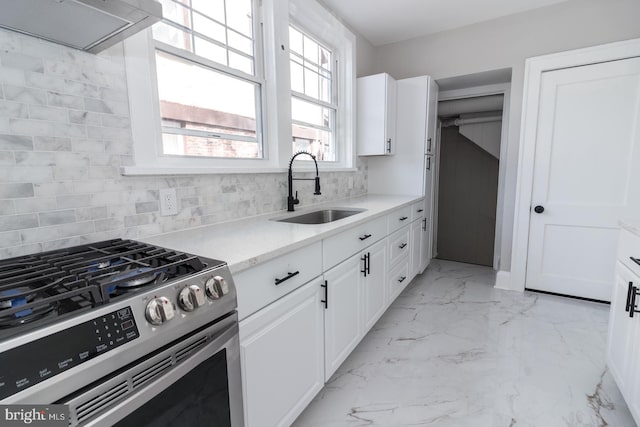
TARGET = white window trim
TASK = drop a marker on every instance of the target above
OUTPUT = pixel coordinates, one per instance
(272, 38)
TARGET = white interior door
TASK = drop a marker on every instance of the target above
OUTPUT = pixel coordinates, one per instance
(586, 176)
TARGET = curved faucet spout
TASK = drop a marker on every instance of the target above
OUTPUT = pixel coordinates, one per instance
(291, 201)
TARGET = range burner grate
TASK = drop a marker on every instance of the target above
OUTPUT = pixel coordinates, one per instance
(66, 280)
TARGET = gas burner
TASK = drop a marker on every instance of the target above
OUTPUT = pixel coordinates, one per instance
(15, 297)
(132, 278)
(12, 299)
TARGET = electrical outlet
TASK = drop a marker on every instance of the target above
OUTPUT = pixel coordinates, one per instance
(168, 202)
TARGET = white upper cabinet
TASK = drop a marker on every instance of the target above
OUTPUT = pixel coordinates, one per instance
(376, 112)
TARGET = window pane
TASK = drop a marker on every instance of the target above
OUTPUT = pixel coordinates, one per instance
(172, 36)
(209, 28)
(311, 84)
(310, 113)
(240, 62)
(211, 51)
(176, 12)
(187, 145)
(295, 40)
(310, 50)
(197, 98)
(239, 16)
(211, 8)
(240, 42)
(317, 142)
(297, 77)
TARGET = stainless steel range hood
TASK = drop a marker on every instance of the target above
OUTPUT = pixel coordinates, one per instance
(90, 25)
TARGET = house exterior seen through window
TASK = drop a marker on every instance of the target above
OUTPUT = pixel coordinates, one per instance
(313, 105)
(209, 86)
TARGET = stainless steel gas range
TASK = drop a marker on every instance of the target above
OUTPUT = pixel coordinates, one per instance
(123, 332)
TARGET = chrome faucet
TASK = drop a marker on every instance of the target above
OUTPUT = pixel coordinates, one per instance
(291, 201)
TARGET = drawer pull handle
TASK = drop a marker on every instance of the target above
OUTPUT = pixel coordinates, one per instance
(326, 295)
(420, 210)
(402, 246)
(636, 260)
(402, 218)
(289, 276)
(365, 237)
(401, 279)
(629, 292)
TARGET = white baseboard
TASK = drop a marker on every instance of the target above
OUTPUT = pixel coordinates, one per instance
(503, 281)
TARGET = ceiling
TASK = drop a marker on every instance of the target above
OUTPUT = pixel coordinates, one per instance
(389, 21)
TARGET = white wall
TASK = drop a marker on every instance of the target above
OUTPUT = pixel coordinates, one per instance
(507, 42)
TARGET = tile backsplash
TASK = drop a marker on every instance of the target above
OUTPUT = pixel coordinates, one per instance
(64, 134)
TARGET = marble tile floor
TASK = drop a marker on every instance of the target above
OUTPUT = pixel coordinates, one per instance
(452, 351)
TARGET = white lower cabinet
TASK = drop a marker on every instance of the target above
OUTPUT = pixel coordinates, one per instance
(373, 284)
(294, 336)
(282, 357)
(342, 318)
(623, 345)
(416, 248)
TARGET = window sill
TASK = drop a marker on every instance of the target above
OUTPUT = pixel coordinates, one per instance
(151, 170)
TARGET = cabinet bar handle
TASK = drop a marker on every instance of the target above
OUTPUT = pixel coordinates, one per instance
(428, 145)
(326, 295)
(636, 260)
(402, 246)
(401, 279)
(629, 292)
(368, 262)
(289, 276)
(365, 237)
(428, 163)
(402, 218)
(424, 224)
(389, 145)
(364, 266)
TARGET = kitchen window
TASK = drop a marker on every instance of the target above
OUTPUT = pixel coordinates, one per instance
(313, 100)
(208, 89)
(211, 88)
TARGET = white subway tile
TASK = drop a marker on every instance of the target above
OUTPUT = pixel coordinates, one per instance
(26, 174)
(34, 158)
(66, 101)
(9, 238)
(14, 142)
(57, 217)
(53, 114)
(73, 201)
(45, 143)
(21, 62)
(25, 95)
(35, 204)
(18, 222)
(42, 128)
(7, 158)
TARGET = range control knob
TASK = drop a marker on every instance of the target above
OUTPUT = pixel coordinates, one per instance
(216, 287)
(191, 297)
(160, 310)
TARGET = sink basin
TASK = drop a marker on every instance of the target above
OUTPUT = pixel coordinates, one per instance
(322, 216)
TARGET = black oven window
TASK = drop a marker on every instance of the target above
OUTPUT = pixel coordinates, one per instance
(200, 398)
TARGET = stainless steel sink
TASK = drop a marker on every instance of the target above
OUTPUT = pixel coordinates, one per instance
(322, 216)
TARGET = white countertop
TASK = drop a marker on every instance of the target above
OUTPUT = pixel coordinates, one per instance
(632, 226)
(250, 241)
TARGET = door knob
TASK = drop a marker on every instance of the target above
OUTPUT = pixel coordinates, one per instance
(538, 209)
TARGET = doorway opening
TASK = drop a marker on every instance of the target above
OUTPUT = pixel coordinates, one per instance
(472, 124)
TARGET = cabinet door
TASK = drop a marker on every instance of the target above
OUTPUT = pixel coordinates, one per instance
(376, 115)
(342, 324)
(415, 265)
(282, 357)
(620, 332)
(373, 285)
(425, 244)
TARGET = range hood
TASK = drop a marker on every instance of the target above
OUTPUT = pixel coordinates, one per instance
(90, 25)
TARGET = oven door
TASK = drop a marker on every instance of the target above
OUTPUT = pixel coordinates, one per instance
(195, 382)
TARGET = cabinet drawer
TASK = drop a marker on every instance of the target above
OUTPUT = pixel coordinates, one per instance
(399, 217)
(399, 245)
(417, 210)
(336, 249)
(398, 279)
(258, 286)
(629, 246)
